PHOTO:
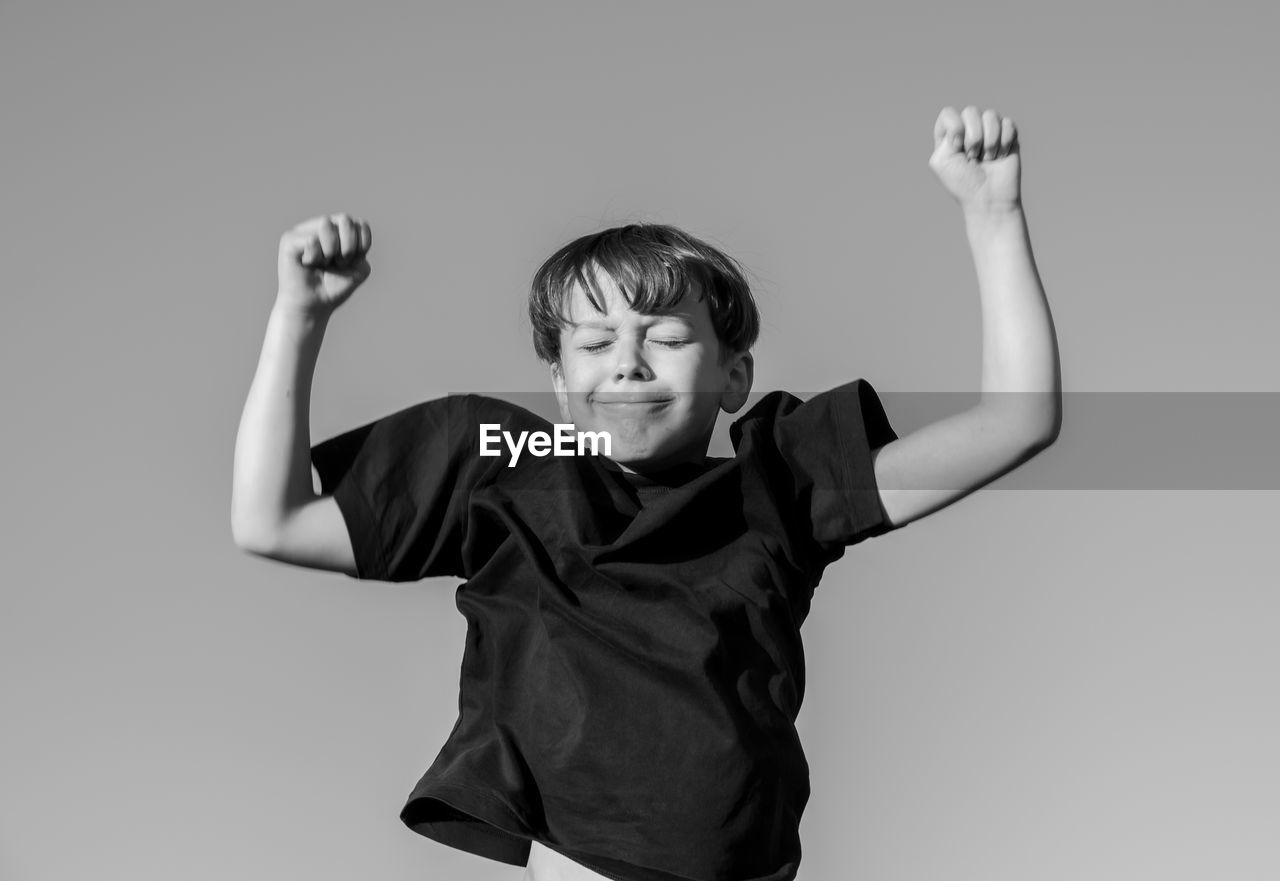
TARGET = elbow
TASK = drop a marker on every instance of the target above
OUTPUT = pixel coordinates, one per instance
(1042, 422)
(1035, 435)
(252, 537)
(1052, 429)
(1032, 425)
(250, 543)
(1045, 438)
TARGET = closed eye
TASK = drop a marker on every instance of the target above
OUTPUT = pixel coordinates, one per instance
(597, 347)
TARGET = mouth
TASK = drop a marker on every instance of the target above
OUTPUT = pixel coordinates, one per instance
(635, 406)
(632, 405)
(631, 400)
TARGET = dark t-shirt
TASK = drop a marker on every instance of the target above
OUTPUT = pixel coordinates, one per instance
(633, 665)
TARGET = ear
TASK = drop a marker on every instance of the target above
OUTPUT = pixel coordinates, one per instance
(561, 390)
(741, 370)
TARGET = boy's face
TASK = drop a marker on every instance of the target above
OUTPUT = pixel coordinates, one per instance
(654, 382)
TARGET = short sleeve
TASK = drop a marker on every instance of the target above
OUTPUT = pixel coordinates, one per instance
(402, 483)
(820, 450)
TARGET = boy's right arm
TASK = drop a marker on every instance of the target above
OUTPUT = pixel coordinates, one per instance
(275, 511)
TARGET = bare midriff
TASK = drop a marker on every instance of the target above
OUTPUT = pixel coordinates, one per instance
(547, 865)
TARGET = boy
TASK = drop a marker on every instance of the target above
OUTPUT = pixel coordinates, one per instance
(633, 665)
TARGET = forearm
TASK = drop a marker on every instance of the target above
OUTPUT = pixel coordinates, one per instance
(272, 471)
(1021, 375)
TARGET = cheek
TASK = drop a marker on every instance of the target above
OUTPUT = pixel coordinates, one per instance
(582, 378)
(709, 376)
(578, 384)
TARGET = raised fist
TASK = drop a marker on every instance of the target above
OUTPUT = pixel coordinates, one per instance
(977, 157)
(322, 262)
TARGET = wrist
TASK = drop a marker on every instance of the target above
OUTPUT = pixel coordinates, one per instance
(292, 312)
(298, 324)
(988, 219)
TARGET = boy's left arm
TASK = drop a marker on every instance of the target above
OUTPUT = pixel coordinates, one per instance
(977, 158)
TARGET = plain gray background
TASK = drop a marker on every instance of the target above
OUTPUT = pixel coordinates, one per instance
(1046, 683)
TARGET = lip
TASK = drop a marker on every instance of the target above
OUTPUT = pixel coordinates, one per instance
(636, 406)
(623, 400)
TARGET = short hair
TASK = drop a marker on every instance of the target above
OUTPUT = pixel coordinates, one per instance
(655, 266)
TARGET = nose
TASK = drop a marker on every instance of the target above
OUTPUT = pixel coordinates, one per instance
(631, 363)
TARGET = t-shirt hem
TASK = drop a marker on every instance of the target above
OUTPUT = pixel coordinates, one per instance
(361, 526)
(504, 835)
(508, 835)
(860, 487)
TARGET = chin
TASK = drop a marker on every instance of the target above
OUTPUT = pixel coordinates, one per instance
(635, 458)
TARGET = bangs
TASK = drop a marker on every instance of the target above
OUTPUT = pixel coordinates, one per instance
(651, 283)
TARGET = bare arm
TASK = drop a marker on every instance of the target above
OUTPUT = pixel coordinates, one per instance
(275, 511)
(1021, 408)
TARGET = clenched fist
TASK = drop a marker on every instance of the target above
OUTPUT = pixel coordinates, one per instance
(977, 158)
(322, 262)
